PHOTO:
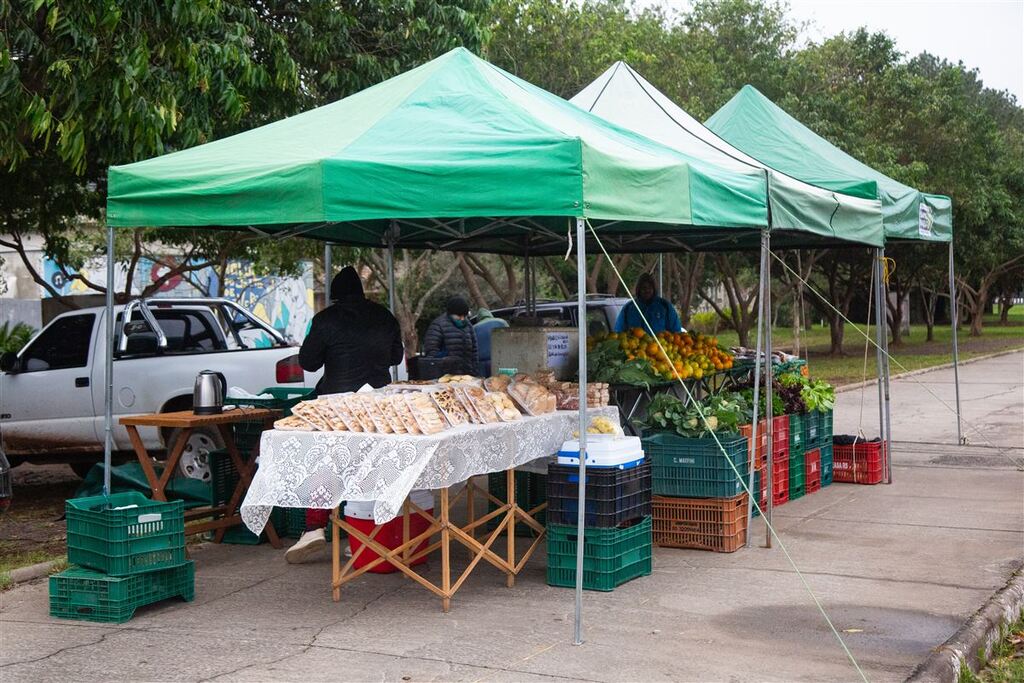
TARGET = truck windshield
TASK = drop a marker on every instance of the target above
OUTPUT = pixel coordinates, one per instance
(187, 331)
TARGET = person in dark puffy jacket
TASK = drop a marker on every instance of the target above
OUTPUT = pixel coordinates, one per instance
(451, 336)
(355, 341)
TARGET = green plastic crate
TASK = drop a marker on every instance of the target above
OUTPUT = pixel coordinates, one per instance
(531, 491)
(148, 535)
(824, 429)
(797, 475)
(696, 468)
(796, 433)
(284, 398)
(811, 423)
(84, 594)
(827, 465)
(611, 557)
(247, 434)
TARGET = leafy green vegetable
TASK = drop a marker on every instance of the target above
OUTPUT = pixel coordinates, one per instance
(819, 395)
(718, 414)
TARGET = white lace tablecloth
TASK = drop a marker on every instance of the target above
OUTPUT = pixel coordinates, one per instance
(321, 469)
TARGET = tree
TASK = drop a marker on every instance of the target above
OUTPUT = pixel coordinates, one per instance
(87, 84)
(740, 283)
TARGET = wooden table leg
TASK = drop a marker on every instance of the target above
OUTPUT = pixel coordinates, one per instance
(510, 490)
(172, 463)
(335, 557)
(245, 470)
(446, 569)
(146, 462)
(470, 507)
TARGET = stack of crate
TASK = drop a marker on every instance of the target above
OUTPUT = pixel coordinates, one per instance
(128, 552)
(617, 525)
(700, 498)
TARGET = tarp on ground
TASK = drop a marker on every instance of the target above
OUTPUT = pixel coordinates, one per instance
(624, 97)
(454, 154)
(762, 129)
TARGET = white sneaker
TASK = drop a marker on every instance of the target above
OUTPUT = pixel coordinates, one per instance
(311, 543)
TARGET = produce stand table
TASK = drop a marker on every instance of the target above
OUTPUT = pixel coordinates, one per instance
(226, 516)
(321, 469)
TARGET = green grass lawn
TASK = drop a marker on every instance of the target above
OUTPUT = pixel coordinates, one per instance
(913, 354)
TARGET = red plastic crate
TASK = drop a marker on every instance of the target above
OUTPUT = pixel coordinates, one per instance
(780, 435)
(812, 470)
(760, 456)
(780, 482)
(780, 432)
(859, 463)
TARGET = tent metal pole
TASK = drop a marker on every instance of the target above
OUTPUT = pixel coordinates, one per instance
(391, 286)
(769, 376)
(661, 274)
(581, 297)
(884, 286)
(328, 271)
(108, 366)
(752, 445)
(954, 322)
(880, 332)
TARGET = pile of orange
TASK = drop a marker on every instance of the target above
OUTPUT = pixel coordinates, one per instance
(688, 355)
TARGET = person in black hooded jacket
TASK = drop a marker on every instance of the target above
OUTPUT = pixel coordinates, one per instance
(355, 340)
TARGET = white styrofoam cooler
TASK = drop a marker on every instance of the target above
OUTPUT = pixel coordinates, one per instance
(603, 450)
(363, 509)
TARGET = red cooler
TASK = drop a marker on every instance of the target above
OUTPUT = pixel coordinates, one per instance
(360, 515)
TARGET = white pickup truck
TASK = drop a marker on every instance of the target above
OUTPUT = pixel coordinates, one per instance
(51, 392)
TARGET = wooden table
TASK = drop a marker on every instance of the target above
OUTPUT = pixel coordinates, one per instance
(402, 557)
(225, 516)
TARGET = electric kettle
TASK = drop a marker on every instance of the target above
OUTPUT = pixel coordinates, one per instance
(208, 395)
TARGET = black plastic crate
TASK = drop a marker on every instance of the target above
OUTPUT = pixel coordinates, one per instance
(614, 496)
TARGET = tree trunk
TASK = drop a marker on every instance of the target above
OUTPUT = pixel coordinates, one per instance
(474, 289)
(929, 299)
(1005, 304)
(836, 332)
(978, 306)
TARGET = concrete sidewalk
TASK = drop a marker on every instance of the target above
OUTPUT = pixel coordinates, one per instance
(898, 568)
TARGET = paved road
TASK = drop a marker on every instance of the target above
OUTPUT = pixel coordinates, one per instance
(898, 568)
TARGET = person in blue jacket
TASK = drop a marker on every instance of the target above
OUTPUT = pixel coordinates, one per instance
(659, 312)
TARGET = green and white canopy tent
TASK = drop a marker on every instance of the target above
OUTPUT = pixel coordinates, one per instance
(762, 129)
(624, 97)
(458, 155)
(453, 154)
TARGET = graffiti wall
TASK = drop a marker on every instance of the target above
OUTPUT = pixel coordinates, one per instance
(284, 302)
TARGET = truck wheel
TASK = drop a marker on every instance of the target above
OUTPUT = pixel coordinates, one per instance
(195, 459)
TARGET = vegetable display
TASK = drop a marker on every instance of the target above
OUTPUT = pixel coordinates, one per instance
(723, 413)
(634, 357)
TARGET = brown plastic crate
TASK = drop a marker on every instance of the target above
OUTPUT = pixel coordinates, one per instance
(718, 524)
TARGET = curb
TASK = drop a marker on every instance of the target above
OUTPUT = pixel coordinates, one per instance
(32, 572)
(921, 371)
(975, 637)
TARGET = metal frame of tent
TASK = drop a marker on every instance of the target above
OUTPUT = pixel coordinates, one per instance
(512, 234)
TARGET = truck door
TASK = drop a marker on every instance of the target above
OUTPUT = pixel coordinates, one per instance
(46, 405)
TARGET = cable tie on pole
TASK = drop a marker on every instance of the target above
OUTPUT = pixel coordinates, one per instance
(568, 234)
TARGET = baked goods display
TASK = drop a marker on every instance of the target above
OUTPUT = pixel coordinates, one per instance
(451, 407)
(405, 409)
(497, 383)
(292, 422)
(503, 406)
(533, 398)
(424, 411)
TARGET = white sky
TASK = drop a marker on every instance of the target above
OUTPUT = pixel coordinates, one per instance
(987, 35)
